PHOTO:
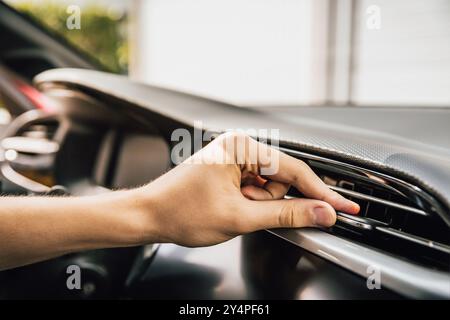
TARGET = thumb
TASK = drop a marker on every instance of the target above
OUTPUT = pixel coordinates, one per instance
(289, 213)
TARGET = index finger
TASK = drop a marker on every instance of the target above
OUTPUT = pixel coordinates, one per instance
(301, 176)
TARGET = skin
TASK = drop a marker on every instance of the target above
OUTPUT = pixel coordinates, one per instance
(203, 201)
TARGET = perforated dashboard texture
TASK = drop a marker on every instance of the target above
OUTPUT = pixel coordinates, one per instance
(422, 162)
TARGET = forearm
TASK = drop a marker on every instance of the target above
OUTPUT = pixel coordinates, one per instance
(38, 228)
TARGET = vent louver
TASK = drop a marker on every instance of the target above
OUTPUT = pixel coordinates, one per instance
(29, 150)
(396, 217)
(45, 130)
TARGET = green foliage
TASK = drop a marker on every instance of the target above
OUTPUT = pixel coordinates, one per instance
(102, 35)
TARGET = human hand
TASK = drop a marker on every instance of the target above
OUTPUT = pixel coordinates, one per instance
(219, 193)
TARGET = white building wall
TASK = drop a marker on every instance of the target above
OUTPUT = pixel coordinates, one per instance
(256, 52)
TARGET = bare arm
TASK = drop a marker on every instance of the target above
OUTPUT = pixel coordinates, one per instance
(39, 228)
(201, 202)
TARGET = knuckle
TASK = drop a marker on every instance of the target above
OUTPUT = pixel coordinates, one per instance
(233, 135)
(233, 140)
(331, 196)
(304, 167)
(296, 179)
(287, 214)
(298, 174)
(294, 215)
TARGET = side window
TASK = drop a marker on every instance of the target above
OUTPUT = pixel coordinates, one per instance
(404, 59)
(98, 29)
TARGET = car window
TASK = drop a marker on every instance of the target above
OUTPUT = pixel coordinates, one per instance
(407, 60)
(98, 28)
(270, 52)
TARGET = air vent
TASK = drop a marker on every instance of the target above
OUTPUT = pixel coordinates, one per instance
(30, 151)
(40, 131)
(396, 217)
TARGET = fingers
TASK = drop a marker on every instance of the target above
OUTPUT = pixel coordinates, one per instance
(300, 175)
(292, 213)
(284, 169)
(271, 190)
(340, 203)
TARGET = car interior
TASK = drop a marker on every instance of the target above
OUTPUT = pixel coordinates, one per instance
(77, 129)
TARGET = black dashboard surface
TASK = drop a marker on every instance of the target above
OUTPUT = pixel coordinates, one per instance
(429, 126)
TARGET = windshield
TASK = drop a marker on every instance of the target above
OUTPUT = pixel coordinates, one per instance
(381, 53)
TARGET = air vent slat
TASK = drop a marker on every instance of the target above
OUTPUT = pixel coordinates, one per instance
(377, 200)
(419, 240)
(358, 222)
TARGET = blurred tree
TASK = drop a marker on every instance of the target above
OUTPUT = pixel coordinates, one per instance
(103, 33)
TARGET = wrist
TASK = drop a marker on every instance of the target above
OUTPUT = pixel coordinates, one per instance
(123, 219)
(141, 209)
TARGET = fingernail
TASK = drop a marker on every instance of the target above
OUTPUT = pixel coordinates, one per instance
(353, 208)
(356, 208)
(322, 216)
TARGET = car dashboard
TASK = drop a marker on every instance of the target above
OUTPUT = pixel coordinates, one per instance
(107, 132)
